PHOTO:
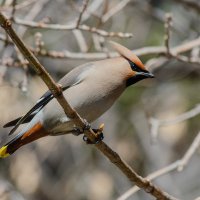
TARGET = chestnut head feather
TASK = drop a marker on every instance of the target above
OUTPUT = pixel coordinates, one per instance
(140, 72)
(128, 54)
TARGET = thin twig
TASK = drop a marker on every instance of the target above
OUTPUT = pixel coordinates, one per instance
(177, 165)
(13, 9)
(91, 9)
(24, 83)
(171, 52)
(38, 43)
(114, 10)
(78, 121)
(35, 9)
(153, 50)
(168, 22)
(193, 148)
(94, 5)
(32, 14)
(71, 27)
(77, 33)
(18, 6)
(85, 3)
(155, 124)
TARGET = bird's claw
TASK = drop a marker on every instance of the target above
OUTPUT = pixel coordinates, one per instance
(99, 136)
(87, 125)
(78, 131)
(98, 139)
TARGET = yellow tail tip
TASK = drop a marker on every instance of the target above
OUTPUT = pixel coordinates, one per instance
(3, 152)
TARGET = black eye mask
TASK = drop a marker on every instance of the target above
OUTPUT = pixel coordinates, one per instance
(134, 67)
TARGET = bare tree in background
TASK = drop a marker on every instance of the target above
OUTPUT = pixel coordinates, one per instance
(65, 34)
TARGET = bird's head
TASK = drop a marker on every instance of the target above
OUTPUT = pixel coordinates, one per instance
(136, 70)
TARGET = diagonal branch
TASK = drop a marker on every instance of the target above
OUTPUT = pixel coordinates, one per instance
(85, 3)
(155, 124)
(148, 50)
(145, 184)
(167, 32)
(177, 165)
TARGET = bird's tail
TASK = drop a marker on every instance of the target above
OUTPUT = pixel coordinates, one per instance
(37, 131)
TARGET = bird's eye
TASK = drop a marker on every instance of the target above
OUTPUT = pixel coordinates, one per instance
(134, 67)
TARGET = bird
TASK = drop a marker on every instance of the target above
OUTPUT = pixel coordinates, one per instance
(91, 89)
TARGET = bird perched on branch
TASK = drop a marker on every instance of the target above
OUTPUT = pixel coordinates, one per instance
(91, 89)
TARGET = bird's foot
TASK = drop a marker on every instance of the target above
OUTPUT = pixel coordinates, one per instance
(78, 131)
(99, 136)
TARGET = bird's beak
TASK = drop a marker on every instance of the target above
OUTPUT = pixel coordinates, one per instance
(145, 74)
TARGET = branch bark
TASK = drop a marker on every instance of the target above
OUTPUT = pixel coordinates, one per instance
(145, 184)
(177, 165)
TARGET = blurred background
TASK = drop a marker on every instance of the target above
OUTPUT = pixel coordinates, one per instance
(64, 167)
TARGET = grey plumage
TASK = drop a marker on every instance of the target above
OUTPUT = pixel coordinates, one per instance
(91, 89)
(91, 93)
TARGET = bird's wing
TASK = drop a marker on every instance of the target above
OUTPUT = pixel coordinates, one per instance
(72, 78)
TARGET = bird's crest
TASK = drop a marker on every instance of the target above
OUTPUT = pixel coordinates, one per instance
(128, 54)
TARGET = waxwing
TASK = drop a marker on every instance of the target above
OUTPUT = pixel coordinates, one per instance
(91, 89)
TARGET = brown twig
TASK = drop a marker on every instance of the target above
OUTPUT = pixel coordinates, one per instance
(79, 122)
(13, 9)
(77, 33)
(168, 22)
(91, 11)
(85, 3)
(172, 52)
(177, 165)
(72, 27)
(152, 50)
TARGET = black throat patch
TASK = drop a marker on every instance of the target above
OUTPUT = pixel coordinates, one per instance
(135, 79)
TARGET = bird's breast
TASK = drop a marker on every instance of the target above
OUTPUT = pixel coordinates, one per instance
(96, 102)
(90, 102)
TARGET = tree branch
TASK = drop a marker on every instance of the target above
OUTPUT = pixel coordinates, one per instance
(155, 124)
(145, 184)
(168, 22)
(71, 27)
(177, 165)
(85, 3)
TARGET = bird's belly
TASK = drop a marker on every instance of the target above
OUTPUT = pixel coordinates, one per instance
(90, 112)
(94, 110)
(89, 108)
